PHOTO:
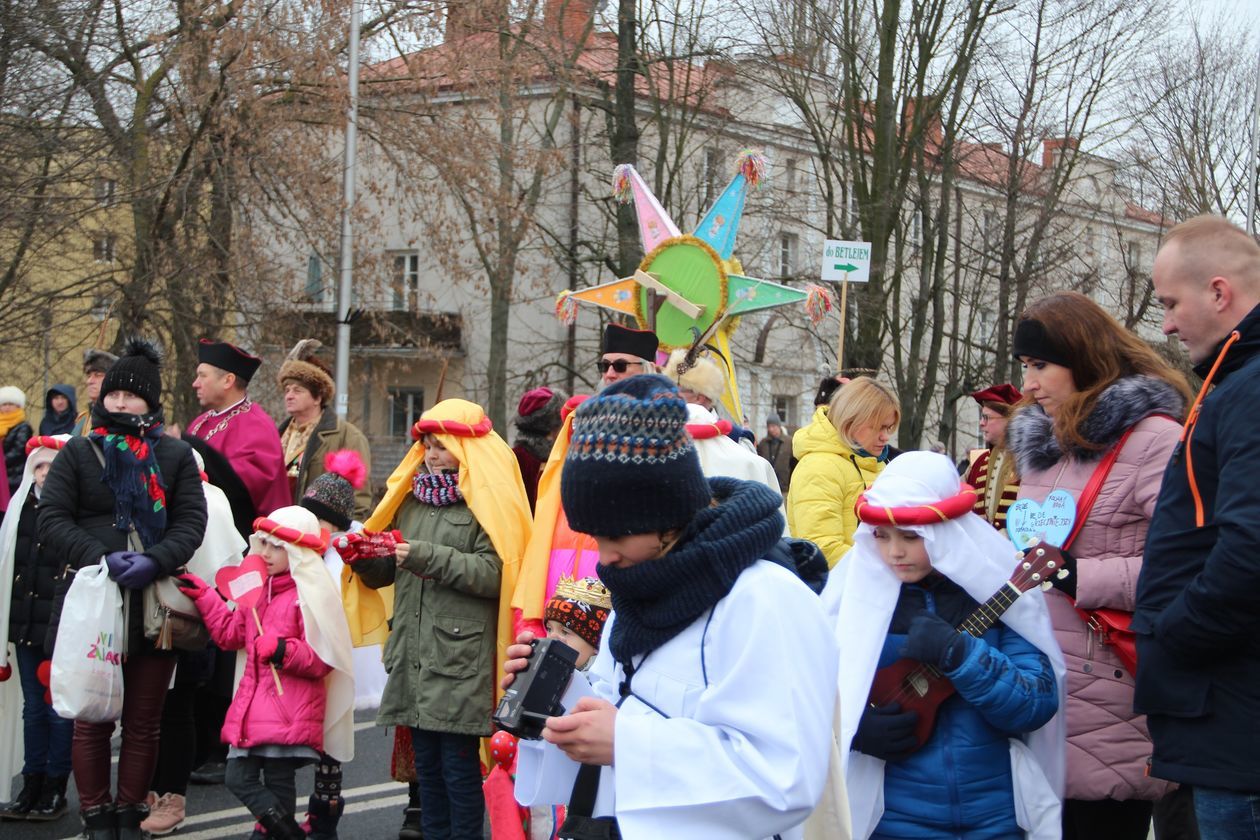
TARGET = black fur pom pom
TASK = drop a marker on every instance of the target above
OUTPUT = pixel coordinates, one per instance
(137, 346)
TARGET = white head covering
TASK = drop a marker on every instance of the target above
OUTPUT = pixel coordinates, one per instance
(326, 629)
(222, 544)
(863, 593)
(11, 743)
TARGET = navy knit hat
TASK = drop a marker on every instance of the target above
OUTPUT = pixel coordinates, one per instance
(631, 467)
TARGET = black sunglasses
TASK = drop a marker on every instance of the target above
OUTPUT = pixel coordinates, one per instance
(619, 365)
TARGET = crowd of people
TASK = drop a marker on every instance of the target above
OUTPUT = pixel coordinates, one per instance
(811, 636)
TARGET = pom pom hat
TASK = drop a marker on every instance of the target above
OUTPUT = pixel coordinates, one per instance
(631, 466)
(331, 495)
(138, 371)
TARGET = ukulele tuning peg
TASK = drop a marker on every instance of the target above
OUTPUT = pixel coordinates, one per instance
(1046, 586)
(1036, 577)
(1041, 552)
(1062, 574)
(1050, 564)
(1026, 566)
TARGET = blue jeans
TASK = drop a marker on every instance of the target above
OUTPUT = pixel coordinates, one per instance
(1227, 814)
(448, 772)
(46, 735)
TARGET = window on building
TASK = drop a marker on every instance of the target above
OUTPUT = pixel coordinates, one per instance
(788, 245)
(916, 230)
(1134, 255)
(988, 228)
(854, 213)
(711, 177)
(314, 278)
(101, 306)
(105, 191)
(405, 407)
(406, 281)
(782, 405)
(103, 248)
(789, 175)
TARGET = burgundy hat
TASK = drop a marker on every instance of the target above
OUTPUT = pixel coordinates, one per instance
(1005, 393)
(641, 343)
(228, 357)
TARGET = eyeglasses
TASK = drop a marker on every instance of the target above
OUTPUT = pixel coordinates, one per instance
(619, 365)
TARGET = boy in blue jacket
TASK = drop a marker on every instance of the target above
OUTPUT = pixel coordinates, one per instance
(992, 765)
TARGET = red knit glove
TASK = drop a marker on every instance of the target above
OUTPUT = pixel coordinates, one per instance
(367, 544)
(193, 586)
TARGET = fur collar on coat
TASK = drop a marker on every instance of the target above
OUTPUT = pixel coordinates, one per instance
(1030, 435)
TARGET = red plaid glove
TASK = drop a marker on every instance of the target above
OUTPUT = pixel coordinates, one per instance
(367, 544)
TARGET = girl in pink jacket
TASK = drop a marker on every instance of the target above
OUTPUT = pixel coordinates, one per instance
(278, 723)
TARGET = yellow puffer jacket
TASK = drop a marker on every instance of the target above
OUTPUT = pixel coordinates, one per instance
(825, 486)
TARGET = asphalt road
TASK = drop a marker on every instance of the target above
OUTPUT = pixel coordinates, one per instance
(374, 802)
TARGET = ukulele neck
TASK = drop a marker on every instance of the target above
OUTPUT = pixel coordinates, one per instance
(988, 613)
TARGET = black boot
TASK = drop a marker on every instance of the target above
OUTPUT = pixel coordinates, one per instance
(52, 800)
(129, 819)
(100, 822)
(322, 817)
(279, 826)
(411, 816)
(20, 808)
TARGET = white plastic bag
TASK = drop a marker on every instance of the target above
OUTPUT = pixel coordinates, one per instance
(87, 679)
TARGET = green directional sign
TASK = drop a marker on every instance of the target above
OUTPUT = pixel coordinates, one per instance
(846, 261)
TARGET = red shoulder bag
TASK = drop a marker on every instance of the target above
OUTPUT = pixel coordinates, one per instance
(1112, 626)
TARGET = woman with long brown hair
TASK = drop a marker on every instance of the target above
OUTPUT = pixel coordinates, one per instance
(1094, 394)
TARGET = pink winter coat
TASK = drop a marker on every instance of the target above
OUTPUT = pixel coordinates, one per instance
(257, 714)
(1108, 745)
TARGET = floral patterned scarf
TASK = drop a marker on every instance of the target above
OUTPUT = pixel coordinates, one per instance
(131, 471)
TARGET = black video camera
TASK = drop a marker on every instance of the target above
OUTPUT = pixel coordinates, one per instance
(535, 693)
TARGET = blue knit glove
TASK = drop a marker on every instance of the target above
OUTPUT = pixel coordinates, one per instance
(119, 562)
(886, 732)
(140, 574)
(934, 641)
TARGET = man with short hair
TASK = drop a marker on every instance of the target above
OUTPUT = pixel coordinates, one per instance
(95, 363)
(238, 427)
(1198, 594)
(992, 470)
(627, 352)
(776, 448)
(312, 431)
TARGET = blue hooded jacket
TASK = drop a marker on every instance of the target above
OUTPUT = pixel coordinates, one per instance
(58, 423)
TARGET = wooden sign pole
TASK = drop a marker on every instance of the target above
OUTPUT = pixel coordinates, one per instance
(844, 317)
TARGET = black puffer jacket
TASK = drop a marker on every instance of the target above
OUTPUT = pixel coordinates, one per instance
(34, 581)
(15, 453)
(76, 520)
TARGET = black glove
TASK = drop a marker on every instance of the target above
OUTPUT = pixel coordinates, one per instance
(886, 732)
(1067, 583)
(934, 641)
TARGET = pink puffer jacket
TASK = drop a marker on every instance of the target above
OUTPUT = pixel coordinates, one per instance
(1108, 744)
(257, 714)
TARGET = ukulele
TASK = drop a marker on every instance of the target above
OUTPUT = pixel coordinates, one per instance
(920, 687)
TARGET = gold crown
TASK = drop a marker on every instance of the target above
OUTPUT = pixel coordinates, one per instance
(587, 590)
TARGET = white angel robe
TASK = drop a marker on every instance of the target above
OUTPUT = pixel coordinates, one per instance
(734, 742)
(721, 456)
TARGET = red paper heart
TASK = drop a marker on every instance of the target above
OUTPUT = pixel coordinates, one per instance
(244, 583)
(43, 673)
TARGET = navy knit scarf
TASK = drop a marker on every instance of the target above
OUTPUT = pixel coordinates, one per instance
(657, 599)
(131, 471)
(436, 489)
